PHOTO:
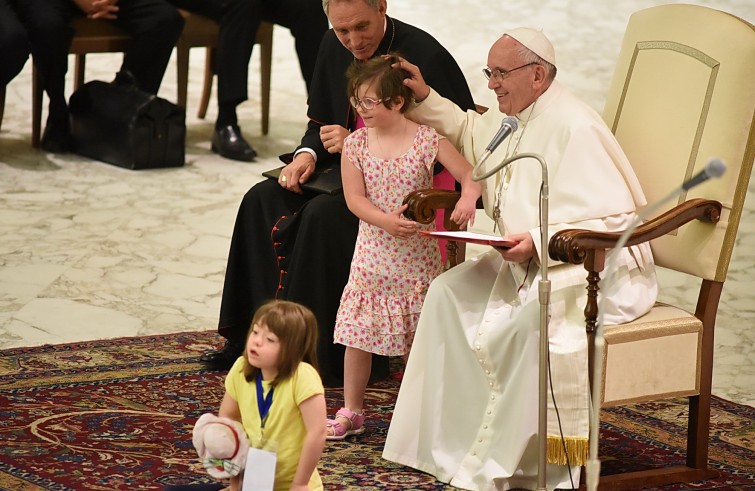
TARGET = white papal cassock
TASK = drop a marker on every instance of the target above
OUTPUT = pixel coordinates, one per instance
(468, 404)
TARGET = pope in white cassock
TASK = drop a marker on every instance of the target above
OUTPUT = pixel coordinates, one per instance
(467, 410)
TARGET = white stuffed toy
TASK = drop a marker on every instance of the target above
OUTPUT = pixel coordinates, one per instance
(221, 444)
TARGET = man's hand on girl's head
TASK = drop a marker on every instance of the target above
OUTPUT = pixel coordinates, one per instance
(415, 81)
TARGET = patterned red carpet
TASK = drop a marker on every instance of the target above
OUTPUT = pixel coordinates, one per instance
(117, 415)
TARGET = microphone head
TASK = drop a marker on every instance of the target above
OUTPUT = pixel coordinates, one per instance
(715, 168)
(511, 122)
(508, 126)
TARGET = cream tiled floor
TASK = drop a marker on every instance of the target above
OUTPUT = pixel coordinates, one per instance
(92, 251)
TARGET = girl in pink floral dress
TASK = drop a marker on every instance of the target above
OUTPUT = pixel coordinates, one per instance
(392, 264)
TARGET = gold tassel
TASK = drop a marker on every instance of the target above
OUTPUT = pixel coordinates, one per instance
(576, 449)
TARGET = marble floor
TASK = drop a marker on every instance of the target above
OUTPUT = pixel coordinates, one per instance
(92, 251)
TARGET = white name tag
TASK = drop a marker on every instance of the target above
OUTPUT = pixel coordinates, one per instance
(259, 474)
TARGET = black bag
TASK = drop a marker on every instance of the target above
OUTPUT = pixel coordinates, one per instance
(124, 126)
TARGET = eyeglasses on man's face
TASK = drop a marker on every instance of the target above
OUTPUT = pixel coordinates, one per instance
(365, 103)
(500, 74)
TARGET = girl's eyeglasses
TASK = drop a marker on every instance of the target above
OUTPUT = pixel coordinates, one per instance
(366, 103)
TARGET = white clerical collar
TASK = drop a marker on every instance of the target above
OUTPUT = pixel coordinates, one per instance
(541, 103)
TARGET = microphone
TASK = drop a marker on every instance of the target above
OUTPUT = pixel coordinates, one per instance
(714, 168)
(508, 126)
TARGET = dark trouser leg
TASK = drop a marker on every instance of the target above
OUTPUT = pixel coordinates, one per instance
(308, 24)
(14, 44)
(47, 24)
(238, 30)
(155, 26)
(239, 20)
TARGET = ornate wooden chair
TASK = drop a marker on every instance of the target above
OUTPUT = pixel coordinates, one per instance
(681, 94)
(99, 36)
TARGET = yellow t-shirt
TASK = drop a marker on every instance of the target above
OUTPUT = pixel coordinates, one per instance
(284, 426)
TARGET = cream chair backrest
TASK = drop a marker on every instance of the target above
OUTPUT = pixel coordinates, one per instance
(683, 93)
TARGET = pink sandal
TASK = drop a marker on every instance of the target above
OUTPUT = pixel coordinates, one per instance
(339, 431)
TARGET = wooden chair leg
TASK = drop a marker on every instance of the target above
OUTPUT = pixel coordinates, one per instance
(182, 75)
(209, 73)
(2, 106)
(266, 60)
(698, 426)
(36, 107)
(79, 70)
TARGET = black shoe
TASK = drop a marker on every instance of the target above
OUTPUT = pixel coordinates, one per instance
(228, 142)
(224, 358)
(56, 137)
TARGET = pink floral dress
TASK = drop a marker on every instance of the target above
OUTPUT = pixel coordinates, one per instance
(389, 277)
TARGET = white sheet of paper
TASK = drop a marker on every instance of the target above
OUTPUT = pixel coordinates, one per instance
(259, 473)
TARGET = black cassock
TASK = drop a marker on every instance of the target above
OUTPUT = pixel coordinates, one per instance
(299, 247)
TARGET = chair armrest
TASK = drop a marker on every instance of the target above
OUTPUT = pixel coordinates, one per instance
(424, 203)
(572, 245)
(422, 208)
(577, 246)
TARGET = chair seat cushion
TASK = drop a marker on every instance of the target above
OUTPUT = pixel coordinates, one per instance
(656, 356)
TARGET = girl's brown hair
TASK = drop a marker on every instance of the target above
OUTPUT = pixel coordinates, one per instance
(388, 81)
(296, 328)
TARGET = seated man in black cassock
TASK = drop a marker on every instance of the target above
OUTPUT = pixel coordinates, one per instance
(297, 245)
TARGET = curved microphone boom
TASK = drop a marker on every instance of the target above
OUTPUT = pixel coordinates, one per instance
(508, 126)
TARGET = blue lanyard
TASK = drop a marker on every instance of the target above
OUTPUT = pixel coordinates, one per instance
(263, 403)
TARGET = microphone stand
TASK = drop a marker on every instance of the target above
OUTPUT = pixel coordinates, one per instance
(544, 292)
(592, 468)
